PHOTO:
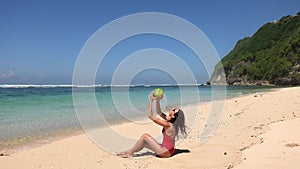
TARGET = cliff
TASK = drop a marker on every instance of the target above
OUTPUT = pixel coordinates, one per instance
(270, 56)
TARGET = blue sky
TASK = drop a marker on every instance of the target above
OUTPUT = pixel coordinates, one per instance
(41, 40)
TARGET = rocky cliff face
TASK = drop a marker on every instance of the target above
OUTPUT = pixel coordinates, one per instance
(270, 56)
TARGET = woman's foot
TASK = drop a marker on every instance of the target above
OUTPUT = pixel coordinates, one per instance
(124, 154)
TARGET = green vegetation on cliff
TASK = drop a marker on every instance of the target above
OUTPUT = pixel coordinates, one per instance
(272, 54)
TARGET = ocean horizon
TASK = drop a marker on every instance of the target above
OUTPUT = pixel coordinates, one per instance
(93, 85)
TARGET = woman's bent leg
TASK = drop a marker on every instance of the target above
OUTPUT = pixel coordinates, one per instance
(149, 142)
(153, 145)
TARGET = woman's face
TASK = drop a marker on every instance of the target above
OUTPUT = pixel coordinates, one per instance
(171, 113)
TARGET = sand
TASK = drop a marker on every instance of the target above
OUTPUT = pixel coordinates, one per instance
(261, 130)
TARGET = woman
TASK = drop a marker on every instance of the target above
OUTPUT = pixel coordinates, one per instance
(172, 123)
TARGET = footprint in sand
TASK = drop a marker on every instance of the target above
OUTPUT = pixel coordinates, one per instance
(291, 145)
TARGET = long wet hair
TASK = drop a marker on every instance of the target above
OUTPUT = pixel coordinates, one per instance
(179, 123)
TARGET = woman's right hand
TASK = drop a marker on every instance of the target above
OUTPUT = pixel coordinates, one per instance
(159, 98)
(152, 96)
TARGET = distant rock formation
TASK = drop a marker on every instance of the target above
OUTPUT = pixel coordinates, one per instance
(270, 56)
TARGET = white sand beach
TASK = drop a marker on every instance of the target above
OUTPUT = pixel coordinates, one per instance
(261, 130)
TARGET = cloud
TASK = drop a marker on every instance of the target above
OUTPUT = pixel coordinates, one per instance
(7, 75)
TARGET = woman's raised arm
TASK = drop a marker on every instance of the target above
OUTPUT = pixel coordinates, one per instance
(158, 109)
(150, 112)
(152, 117)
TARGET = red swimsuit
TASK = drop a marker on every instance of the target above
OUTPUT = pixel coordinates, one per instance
(168, 143)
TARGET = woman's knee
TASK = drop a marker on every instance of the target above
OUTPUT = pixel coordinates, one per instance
(145, 135)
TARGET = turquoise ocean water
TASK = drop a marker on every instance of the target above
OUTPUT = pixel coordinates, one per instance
(38, 114)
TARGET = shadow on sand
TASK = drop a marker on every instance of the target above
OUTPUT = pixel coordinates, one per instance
(177, 151)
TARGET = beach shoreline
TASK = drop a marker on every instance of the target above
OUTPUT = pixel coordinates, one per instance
(244, 123)
(17, 144)
(47, 138)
